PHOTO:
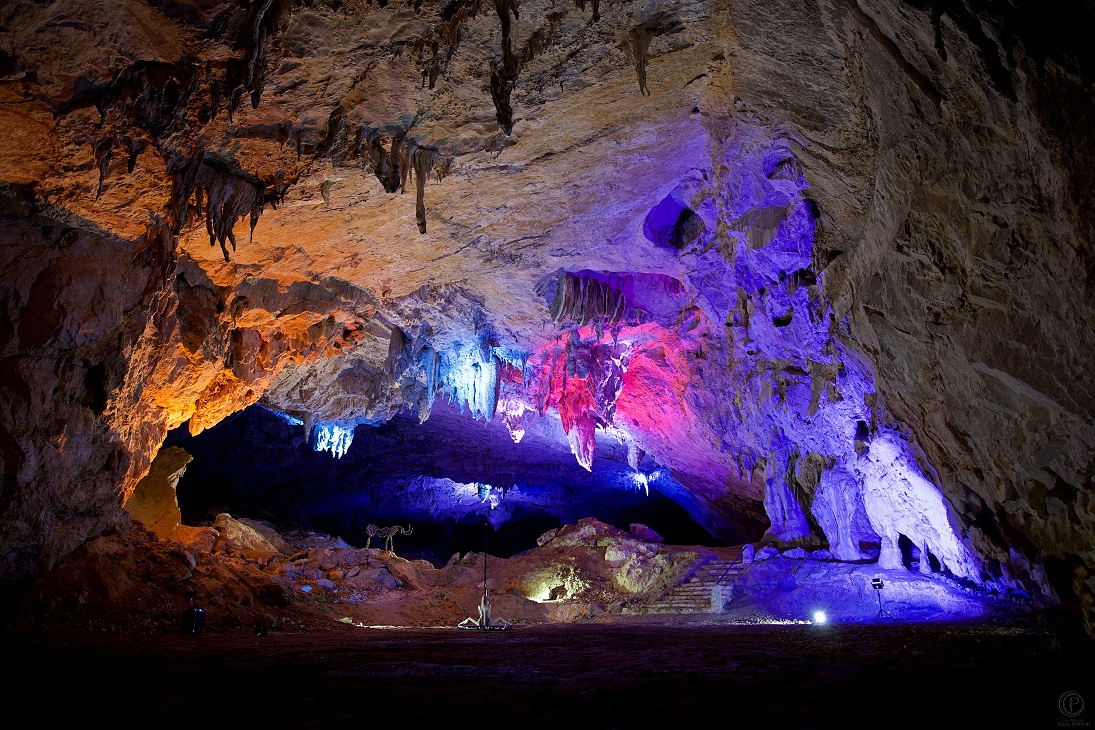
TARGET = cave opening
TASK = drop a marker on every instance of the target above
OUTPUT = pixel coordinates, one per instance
(443, 478)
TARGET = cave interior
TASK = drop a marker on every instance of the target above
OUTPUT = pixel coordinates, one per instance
(666, 313)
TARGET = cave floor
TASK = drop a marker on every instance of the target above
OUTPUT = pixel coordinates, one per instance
(633, 673)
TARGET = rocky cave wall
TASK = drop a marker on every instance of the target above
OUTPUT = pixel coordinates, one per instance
(829, 263)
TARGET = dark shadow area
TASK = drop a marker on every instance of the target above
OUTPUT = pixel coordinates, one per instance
(610, 676)
(444, 478)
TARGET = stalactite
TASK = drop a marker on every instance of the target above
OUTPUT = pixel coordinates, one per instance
(221, 191)
(245, 76)
(582, 299)
(135, 147)
(333, 137)
(399, 354)
(396, 159)
(104, 149)
(422, 161)
(638, 42)
(581, 5)
(640, 46)
(382, 152)
(444, 40)
(431, 366)
(333, 438)
(504, 71)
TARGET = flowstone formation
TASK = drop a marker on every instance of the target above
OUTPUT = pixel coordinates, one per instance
(820, 273)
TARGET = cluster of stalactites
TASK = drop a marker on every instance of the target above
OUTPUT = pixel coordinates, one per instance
(222, 193)
(472, 381)
(582, 381)
(581, 299)
(334, 438)
(396, 158)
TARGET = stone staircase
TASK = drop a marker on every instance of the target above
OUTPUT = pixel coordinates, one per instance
(707, 590)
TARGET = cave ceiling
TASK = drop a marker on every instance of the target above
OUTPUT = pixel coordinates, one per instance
(826, 263)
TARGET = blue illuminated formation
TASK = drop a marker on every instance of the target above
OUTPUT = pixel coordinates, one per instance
(472, 380)
(291, 420)
(803, 404)
(334, 438)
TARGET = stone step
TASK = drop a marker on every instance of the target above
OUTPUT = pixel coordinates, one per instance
(717, 568)
(698, 593)
(697, 600)
(670, 608)
(712, 577)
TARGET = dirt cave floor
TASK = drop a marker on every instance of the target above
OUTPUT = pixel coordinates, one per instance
(98, 638)
(633, 672)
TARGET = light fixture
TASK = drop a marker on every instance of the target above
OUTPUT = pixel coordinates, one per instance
(485, 621)
(876, 583)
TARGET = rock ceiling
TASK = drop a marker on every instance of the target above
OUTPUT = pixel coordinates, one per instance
(829, 264)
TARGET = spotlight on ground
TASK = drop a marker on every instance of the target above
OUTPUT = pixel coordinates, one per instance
(820, 617)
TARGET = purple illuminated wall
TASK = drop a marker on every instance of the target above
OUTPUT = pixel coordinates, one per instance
(721, 361)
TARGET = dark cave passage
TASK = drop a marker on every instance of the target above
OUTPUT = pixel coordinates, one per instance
(443, 478)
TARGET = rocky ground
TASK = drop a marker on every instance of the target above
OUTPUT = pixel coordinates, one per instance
(249, 578)
(305, 630)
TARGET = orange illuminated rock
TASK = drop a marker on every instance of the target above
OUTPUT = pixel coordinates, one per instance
(154, 502)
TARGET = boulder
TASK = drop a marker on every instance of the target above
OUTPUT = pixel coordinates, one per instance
(642, 572)
(765, 553)
(589, 532)
(540, 541)
(196, 538)
(241, 537)
(372, 579)
(268, 533)
(322, 541)
(641, 532)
